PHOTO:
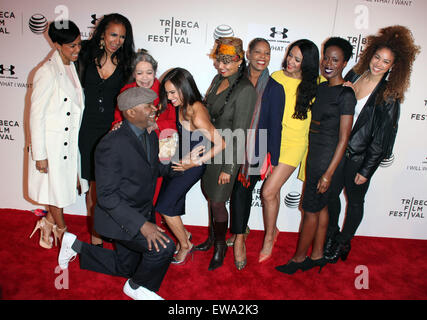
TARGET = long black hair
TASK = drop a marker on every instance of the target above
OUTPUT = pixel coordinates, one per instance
(124, 55)
(310, 73)
(184, 83)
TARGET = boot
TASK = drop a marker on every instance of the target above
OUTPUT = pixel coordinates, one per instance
(220, 247)
(339, 250)
(205, 246)
(330, 243)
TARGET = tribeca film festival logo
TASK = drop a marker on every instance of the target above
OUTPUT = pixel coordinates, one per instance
(6, 129)
(174, 31)
(361, 22)
(411, 208)
(419, 116)
(5, 17)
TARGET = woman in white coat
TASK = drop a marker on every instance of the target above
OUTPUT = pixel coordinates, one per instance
(57, 105)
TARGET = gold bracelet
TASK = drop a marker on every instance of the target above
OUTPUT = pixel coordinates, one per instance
(324, 179)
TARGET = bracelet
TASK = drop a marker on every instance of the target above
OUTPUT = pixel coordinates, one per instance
(324, 179)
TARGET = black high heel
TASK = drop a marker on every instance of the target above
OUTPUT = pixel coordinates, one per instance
(339, 250)
(317, 263)
(291, 267)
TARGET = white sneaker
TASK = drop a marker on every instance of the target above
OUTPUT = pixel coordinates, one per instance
(141, 293)
(66, 254)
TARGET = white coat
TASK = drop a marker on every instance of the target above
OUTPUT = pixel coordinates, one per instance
(55, 117)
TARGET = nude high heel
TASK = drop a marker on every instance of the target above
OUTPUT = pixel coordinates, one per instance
(264, 257)
(46, 228)
(58, 233)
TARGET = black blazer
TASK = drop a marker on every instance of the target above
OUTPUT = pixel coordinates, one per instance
(373, 134)
(125, 183)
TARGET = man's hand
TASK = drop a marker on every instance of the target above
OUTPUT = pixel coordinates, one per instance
(154, 234)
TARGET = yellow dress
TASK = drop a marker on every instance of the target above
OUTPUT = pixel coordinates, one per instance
(294, 143)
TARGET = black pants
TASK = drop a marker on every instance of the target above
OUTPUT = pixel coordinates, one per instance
(240, 205)
(355, 198)
(130, 259)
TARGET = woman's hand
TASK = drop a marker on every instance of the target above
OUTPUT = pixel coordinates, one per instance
(190, 160)
(224, 178)
(42, 165)
(359, 179)
(323, 184)
(349, 84)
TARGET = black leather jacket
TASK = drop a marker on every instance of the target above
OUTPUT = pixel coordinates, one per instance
(372, 137)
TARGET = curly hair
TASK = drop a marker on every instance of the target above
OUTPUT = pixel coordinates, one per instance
(400, 41)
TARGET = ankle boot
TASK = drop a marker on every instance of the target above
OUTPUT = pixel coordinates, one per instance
(220, 247)
(329, 243)
(205, 246)
(339, 250)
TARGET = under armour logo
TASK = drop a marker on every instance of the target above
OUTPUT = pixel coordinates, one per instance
(94, 19)
(274, 32)
(10, 69)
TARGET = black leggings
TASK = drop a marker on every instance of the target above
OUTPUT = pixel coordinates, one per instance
(241, 204)
(355, 198)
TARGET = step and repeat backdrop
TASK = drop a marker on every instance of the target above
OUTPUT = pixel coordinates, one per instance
(182, 33)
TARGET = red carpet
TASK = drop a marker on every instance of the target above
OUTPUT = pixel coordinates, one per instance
(396, 269)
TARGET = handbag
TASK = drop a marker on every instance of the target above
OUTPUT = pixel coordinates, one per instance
(167, 147)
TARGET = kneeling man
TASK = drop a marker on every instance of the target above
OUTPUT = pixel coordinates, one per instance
(126, 169)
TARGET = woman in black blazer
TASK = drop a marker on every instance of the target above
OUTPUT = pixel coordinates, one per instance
(264, 146)
(379, 80)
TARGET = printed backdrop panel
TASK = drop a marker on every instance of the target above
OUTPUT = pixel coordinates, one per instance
(182, 34)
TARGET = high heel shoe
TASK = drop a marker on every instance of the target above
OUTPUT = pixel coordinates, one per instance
(45, 230)
(230, 241)
(316, 263)
(185, 259)
(340, 250)
(291, 267)
(241, 264)
(58, 233)
(190, 237)
(264, 257)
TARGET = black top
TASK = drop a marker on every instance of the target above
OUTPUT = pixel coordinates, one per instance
(100, 97)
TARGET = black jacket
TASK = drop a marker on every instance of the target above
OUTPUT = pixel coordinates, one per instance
(372, 137)
(125, 183)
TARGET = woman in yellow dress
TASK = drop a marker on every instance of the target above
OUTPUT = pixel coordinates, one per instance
(299, 78)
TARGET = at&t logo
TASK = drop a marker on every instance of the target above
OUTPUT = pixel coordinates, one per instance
(292, 199)
(38, 23)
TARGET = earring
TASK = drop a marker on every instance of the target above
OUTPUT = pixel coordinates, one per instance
(102, 44)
